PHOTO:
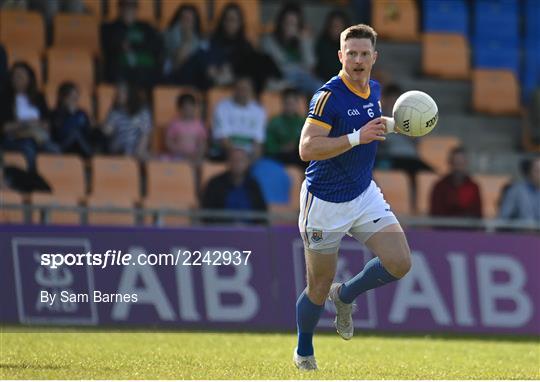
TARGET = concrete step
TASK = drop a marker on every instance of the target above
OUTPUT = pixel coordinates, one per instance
(399, 60)
(450, 96)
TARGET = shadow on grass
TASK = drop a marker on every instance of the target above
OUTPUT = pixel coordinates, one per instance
(27, 366)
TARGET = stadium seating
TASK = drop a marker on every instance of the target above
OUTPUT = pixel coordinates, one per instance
(491, 187)
(396, 188)
(109, 218)
(170, 185)
(445, 55)
(251, 12)
(104, 100)
(146, 11)
(272, 103)
(296, 177)
(54, 216)
(395, 19)
(72, 65)
(85, 98)
(425, 181)
(10, 215)
(94, 7)
(434, 151)
(495, 92)
(22, 28)
(164, 102)
(169, 8)
(77, 32)
(17, 53)
(15, 159)
(115, 179)
(448, 16)
(64, 173)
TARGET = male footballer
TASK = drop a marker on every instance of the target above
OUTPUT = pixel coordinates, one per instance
(340, 138)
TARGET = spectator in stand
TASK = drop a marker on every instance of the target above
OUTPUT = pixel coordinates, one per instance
(4, 73)
(522, 199)
(327, 44)
(230, 54)
(132, 49)
(24, 115)
(235, 189)
(129, 123)
(456, 194)
(182, 43)
(239, 121)
(70, 124)
(283, 131)
(291, 48)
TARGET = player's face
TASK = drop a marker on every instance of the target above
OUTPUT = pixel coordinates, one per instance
(357, 56)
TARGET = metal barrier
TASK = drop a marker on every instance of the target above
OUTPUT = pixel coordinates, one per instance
(197, 216)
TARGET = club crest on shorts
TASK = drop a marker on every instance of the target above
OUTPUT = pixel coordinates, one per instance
(316, 235)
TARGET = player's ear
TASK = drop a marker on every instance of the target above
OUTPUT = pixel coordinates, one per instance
(375, 55)
(340, 56)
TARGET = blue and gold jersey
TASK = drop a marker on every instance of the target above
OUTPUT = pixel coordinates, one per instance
(341, 108)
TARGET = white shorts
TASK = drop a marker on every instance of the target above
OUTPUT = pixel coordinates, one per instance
(323, 224)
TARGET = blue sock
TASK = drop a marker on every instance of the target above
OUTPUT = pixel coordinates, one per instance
(307, 316)
(372, 276)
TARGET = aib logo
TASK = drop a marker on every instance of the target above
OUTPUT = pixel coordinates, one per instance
(406, 125)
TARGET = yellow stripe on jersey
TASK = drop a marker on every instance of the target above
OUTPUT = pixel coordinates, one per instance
(324, 103)
(320, 102)
(319, 123)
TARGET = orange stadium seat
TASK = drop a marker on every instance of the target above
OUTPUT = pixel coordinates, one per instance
(395, 19)
(272, 103)
(446, 55)
(490, 191)
(396, 188)
(425, 181)
(67, 64)
(109, 218)
(105, 98)
(94, 7)
(495, 92)
(79, 32)
(22, 28)
(85, 98)
(252, 15)
(434, 150)
(15, 159)
(170, 185)
(64, 173)
(115, 179)
(169, 8)
(11, 215)
(146, 11)
(55, 216)
(30, 56)
(165, 110)
(209, 170)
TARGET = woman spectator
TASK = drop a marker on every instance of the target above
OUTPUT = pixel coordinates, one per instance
(291, 48)
(328, 44)
(182, 43)
(24, 115)
(129, 123)
(70, 124)
(230, 54)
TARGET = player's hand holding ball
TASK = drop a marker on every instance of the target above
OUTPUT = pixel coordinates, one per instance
(374, 130)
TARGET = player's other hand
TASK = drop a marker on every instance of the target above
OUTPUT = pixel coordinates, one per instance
(374, 130)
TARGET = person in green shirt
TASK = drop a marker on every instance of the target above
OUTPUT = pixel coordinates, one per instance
(283, 131)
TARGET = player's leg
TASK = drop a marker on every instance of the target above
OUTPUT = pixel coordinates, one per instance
(391, 262)
(320, 271)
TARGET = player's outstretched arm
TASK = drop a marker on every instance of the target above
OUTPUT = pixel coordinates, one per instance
(316, 145)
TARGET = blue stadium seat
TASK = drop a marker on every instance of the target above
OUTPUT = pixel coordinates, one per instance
(497, 19)
(446, 16)
(532, 20)
(488, 54)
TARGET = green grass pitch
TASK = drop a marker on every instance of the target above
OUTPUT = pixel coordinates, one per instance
(203, 355)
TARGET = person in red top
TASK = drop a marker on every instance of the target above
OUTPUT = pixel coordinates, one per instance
(456, 194)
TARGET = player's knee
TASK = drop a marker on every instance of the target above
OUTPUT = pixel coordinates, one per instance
(401, 266)
(318, 289)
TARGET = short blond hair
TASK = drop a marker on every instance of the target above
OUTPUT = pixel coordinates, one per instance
(359, 31)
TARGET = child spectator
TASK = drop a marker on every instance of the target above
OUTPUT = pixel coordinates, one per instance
(70, 124)
(283, 131)
(129, 123)
(327, 44)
